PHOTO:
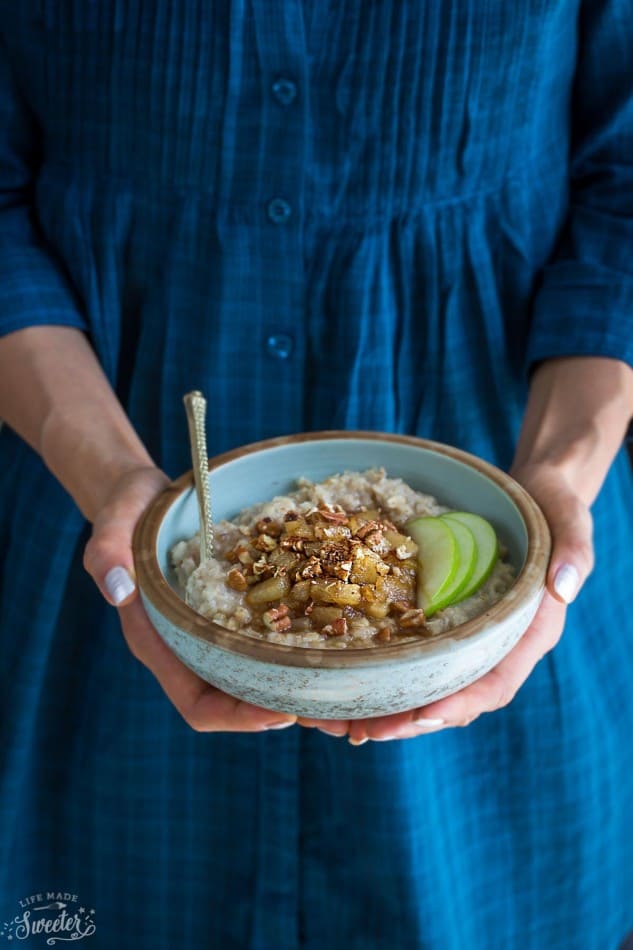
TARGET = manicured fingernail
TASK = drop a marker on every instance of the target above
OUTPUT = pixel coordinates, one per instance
(118, 584)
(282, 725)
(421, 721)
(566, 582)
(335, 735)
(358, 741)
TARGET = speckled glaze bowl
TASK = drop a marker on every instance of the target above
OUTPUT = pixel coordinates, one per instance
(358, 682)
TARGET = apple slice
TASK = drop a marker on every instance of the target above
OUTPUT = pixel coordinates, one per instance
(467, 559)
(438, 560)
(486, 547)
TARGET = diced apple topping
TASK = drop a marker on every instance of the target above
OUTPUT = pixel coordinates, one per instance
(326, 570)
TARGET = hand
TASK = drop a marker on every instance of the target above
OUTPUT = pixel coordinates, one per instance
(572, 559)
(108, 559)
(577, 413)
(570, 564)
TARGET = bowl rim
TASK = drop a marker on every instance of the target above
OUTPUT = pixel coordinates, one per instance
(166, 602)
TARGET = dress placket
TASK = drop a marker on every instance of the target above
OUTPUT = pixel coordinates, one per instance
(279, 170)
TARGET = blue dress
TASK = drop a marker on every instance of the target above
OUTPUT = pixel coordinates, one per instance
(375, 214)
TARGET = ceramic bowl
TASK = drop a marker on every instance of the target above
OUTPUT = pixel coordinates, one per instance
(356, 682)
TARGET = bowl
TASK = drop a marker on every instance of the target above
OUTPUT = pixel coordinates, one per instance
(356, 682)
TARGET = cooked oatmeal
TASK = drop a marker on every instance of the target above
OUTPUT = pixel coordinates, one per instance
(328, 565)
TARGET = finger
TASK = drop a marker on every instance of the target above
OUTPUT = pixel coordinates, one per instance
(572, 557)
(492, 691)
(108, 560)
(204, 707)
(571, 526)
(331, 727)
(572, 553)
(108, 555)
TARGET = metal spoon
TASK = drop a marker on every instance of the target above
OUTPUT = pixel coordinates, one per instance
(196, 408)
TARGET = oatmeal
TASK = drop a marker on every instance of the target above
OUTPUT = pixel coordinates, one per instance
(329, 565)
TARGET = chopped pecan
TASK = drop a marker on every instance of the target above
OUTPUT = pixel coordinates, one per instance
(383, 635)
(277, 618)
(338, 628)
(291, 516)
(375, 540)
(341, 571)
(401, 606)
(367, 528)
(412, 618)
(265, 542)
(312, 569)
(335, 517)
(262, 568)
(236, 580)
(244, 556)
(335, 554)
(336, 559)
(292, 543)
(268, 526)
(332, 532)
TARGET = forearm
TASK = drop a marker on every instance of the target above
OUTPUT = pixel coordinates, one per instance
(577, 415)
(54, 394)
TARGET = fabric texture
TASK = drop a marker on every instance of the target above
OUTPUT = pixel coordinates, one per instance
(373, 215)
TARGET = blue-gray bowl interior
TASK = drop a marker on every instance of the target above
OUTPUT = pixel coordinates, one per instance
(258, 477)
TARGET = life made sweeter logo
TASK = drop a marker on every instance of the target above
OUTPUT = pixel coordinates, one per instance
(51, 915)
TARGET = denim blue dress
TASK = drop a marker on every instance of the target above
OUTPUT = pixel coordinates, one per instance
(375, 214)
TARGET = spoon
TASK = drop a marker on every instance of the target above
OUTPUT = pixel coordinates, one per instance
(196, 408)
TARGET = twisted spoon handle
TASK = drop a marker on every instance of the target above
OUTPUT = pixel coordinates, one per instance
(196, 408)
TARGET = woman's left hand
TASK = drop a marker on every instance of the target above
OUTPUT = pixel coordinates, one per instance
(576, 417)
(571, 561)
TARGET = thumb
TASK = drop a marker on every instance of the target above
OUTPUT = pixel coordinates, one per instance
(571, 526)
(108, 555)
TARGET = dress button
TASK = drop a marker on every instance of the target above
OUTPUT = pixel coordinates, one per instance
(280, 345)
(279, 211)
(284, 91)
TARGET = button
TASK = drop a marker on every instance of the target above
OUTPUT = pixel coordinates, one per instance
(280, 345)
(284, 91)
(279, 211)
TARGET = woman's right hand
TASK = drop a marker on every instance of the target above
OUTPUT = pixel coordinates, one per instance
(108, 559)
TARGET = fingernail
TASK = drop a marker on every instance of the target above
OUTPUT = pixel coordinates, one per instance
(566, 582)
(335, 735)
(358, 741)
(282, 725)
(118, 584)
(421, 721)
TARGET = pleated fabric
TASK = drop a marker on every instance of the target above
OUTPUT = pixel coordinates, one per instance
(373, 215)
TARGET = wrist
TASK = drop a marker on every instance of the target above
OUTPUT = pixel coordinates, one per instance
(576, 418)
(55, 395)
(90, 460)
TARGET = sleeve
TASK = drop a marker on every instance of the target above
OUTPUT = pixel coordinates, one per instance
(33, 287)
(584, 306)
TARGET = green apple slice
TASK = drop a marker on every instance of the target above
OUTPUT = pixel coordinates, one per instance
(467, 558)
(438, 559)
(486, 546)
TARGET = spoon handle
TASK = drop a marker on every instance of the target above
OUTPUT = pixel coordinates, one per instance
(196, 408)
